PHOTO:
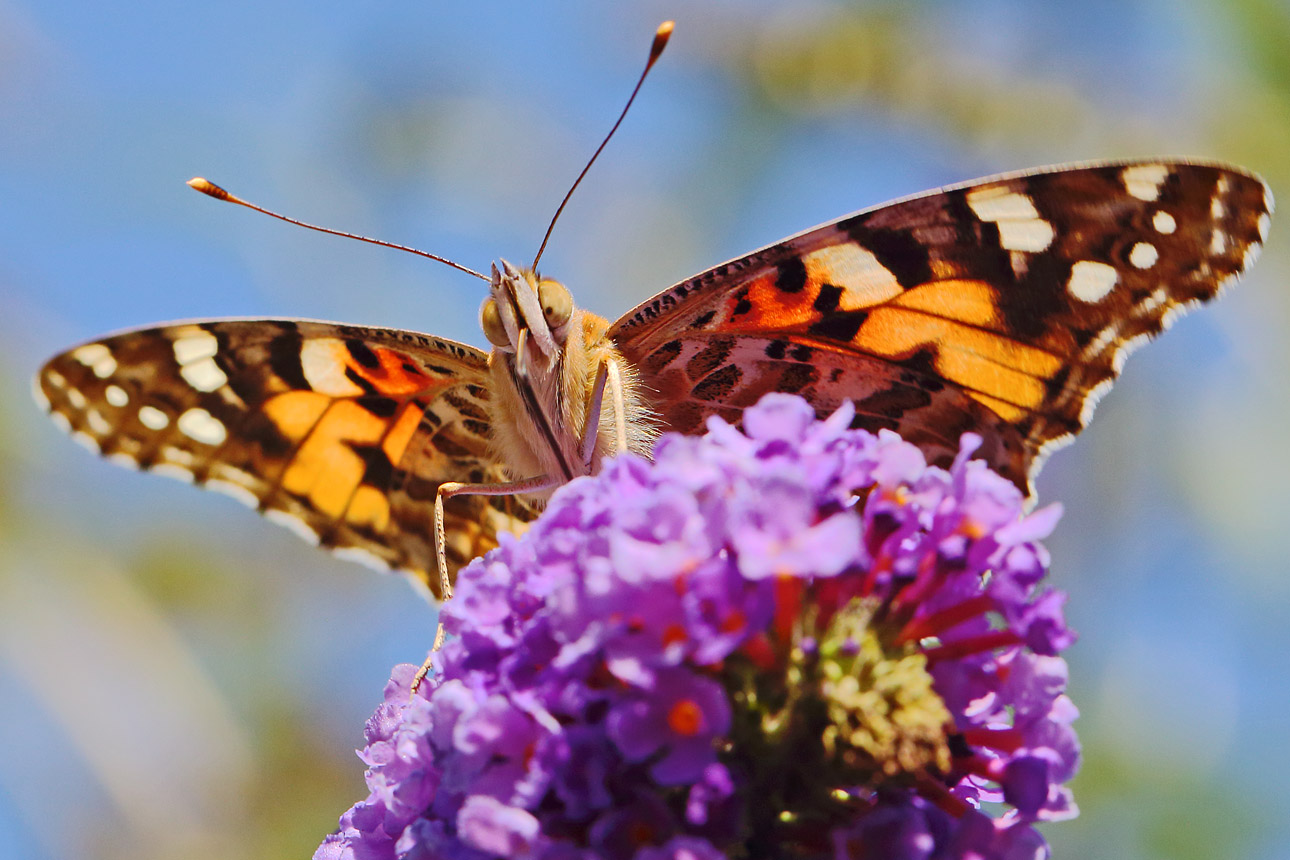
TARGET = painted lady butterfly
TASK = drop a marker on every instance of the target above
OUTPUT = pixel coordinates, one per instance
(1004, 306)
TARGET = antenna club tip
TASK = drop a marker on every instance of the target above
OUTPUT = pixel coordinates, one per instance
(661, 35)
(210, 189)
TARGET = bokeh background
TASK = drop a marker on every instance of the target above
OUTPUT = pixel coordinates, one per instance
(179, 679)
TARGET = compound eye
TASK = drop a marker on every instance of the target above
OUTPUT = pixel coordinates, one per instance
(557, 304)
(490, 320)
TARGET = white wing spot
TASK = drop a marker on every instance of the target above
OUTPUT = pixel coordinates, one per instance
(1131, 345)
(100, 425)
(1265, 222)
(1171, 315)
(1226, 283)
(201, 426)
(39, 394)
(867, 282)
(1105, 338)
(86, 441)
(56, 379)
(362, 556)
(77, 399)
(1251, 255)
(233, 491)
(173, 470)
(234, 475)
(203, 374)
(293, 523)
(96, 357)
(1091, 399)
(61, 421)
(1091, 281)
(1143, 181)
(1164, 222)
(323, 365)
(179, 457)
(1045, 451)
(1217, 242)
(115, 395)
(1020, 227)
(1148, 305)
(123, 459)
(153, 418)
(194, 346)
(1034, 236)
(998, 203)
(1144, 255)
(1216, 208)
(229, 396)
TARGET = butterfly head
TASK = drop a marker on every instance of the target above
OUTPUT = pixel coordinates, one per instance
(523, 307)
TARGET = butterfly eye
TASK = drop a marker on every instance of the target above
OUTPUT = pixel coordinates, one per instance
(557, 304)
(490, 320)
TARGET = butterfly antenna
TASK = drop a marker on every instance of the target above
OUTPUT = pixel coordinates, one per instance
(210, 189)
(661, 35)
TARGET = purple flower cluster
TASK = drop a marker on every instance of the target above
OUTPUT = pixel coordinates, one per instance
(794, 641)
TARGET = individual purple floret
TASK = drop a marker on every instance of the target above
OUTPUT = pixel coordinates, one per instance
(794, 641)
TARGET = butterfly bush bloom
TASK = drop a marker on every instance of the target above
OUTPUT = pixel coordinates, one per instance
(794, 641)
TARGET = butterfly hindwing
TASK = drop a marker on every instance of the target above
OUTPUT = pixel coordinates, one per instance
(1004, 306)
(342, 433)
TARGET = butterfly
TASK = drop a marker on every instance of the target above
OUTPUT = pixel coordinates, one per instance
(1004, 306)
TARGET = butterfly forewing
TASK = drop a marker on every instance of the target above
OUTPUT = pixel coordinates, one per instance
(341, 433)
(1004, 306)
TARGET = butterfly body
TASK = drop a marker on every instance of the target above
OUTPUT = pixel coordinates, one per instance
(1004, 306)
(544, 367)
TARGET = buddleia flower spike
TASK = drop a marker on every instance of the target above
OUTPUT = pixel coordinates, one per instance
(798, 640)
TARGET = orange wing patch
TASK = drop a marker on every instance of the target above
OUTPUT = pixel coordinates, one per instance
(400, 434)
(969, 302)
(325, 467)
(296, 412)
(954, 320)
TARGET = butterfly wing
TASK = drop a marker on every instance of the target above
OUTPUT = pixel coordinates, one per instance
(342, 433)
(1004, 306)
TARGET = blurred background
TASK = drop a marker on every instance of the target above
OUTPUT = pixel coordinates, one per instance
(179, 679)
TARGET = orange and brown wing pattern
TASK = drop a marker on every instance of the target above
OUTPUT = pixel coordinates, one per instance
(1004, 306)
(341, 433)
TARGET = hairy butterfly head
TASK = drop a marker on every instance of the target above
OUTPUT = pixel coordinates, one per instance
(522, 305)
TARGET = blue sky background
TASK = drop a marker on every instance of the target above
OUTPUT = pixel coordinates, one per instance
(180, 679)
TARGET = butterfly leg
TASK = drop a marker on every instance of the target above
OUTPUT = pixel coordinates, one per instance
(607, 375)
(455, 488)
(448, 490)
